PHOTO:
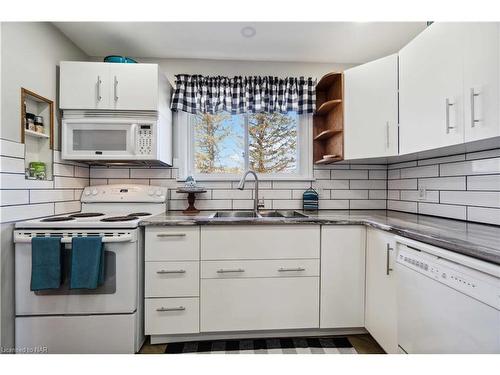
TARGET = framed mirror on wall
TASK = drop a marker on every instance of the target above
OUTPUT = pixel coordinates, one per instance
(37, 134)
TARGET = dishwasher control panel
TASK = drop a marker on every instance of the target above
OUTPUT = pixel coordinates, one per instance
(476, 284)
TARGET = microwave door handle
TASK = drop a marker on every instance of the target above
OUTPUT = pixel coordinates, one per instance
(134, 138)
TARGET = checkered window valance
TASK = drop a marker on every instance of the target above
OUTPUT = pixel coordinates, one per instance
(203, 94)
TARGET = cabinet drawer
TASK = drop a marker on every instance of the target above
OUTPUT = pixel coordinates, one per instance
(260, 242)
(172, 279)
(259, 304)
(171, 316)
(224, 269)
(172, 243)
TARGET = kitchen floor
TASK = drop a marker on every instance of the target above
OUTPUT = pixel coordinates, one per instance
(362, 344)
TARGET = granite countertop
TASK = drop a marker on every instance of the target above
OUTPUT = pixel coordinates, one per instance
(480, 241)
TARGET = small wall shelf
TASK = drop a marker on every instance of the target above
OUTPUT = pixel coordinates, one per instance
(38, 145)
(328, 121)
(32, 133)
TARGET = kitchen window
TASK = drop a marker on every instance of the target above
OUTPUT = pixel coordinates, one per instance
(222, 146)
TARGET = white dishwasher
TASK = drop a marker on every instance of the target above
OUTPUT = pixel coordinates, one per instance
(447, 302)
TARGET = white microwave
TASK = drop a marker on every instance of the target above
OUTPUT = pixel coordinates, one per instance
(117, 140)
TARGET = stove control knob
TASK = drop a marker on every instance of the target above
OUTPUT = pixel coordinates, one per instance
(87, 192)
(158, 193)
(151, 192)
(94, 191)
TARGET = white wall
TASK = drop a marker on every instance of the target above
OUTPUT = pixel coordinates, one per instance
(30, 58)
(241, 68)
(30, 55)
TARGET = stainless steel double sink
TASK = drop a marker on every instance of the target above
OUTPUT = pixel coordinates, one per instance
(261, 214)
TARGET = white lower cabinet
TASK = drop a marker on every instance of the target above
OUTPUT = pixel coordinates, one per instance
(165, 316)
(342, 276)
(381, 307)
(259, 304)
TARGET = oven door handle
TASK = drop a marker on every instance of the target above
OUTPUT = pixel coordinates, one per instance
(23, 238)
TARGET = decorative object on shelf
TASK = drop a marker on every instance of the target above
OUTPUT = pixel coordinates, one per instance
(37, 134)
(190, 182)
(119, 59)
(191, 191)
(328, 120)
(39, 124)
(36, 171)
(310, 200)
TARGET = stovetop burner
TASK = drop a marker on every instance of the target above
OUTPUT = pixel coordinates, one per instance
(62, 218)
(87, 214)
(119, 218)
(140, 214)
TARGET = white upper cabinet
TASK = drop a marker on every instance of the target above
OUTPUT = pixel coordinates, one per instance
(431, 89)
(481, 75)
(93, 85)
(371, 109)
(134, 86)
(84, 85)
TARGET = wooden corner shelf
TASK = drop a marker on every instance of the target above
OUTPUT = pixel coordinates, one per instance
(325, 134)
(328, 120)
(327, 106)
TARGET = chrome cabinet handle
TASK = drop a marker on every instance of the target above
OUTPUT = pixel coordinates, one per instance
(99, 82)
(297, 269)
(229, 270)
(161, 272)
(116, 89)
(161, 235)
(387, 266)
(163, 309)
(473, 120)
(447, 115)
(387, 134)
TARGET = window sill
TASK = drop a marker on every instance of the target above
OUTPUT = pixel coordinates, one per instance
(250, 178)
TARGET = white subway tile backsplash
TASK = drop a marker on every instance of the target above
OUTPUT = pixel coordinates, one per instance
(43, 196)
(377, 194)
(276, 194)
(444, 159)
(484, 182)
(350, 174)
(472, 167)
(393, 194)
(442, 183)
(294, 204)
(109, 173)
(368, 184)
(444, 210)
(291, 184)
(416, 172)
(12, 149)
(402, 206)
(125, 181)
(483, 154)
(372, 204)
(70, 182)
(394, 174)
(64, 170)
(330, 204)
(402, 165)
(322, 174)
(471, 198)
(484, 215)
(18, 181)
(402, 184)
(11, 165)
(150, 173)
(377, 174)
(232, 194)
(62, 208)
(14, 197)
(82, 172)
(349, 194)
(26, 211)
(413, 195)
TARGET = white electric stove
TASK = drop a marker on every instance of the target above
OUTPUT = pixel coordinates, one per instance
(108, 319)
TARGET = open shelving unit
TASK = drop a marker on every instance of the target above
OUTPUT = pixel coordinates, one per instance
(38, 145)
(328, 121)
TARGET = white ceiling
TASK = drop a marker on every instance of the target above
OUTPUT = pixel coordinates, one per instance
(338, 42)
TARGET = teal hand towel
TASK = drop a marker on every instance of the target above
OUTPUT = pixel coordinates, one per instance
(45, 263)
(87, 263)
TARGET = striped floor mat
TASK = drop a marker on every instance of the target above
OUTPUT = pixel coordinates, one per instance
(289, 345)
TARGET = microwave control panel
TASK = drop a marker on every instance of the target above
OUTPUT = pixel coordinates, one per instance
(145, 140)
